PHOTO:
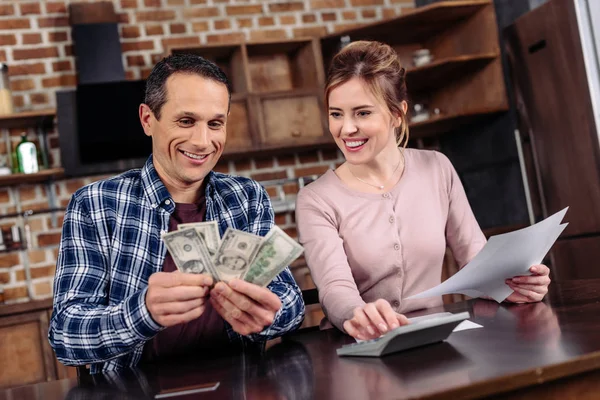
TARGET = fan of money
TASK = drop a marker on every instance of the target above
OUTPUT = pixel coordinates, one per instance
(198, 248)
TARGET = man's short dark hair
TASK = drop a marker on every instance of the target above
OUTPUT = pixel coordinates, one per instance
(156, 90)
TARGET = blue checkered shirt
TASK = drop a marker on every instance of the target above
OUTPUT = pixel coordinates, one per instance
(111, 244)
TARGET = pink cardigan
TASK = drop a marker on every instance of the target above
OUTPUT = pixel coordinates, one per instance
(361, 246)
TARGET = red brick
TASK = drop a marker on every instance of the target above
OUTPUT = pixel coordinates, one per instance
(42, 289)
(291, 232)
(63, 65)
(286, 160)
(244, 22)
(19, 85)
(11, 294)
(152, 3)
(287, 19)
(287, 6)
(181, 42)
(222, 166)
(272, 191)
(328, 16)
(20, 275)
(8, 260)
(245, 9)
(4, 278)
(48, 239)
(308, 157)
(2, 55)
(177, 28)
(345, 27)
(59, 81)
(123, 18)
(198, 2)
(58, 36)
(41, 272)
(133, 46)
(175, 2)
(280, 219)
(27, 69)
(30, 8)
(332, 154)
(266, 21)
(242, 165)
(267, 176)
(144, 73)
(39, 98)
(73, 185)
(14, 23)
(226, 38)
(316, 170)
(369, 13)
(407, 5)
(388, 13)
(32, 38)
(291, 188)
(4, 196)
(136, 61)
(56, 7)
(154, 30)
(129, 4)
(201, 26)
(200, 12)
(349, 15)
(130, 31)
(268, 34)
(156, 15)
(27, 193)
(50, 22)
(309, 18)
(263, 162)
(7, 9)
(319, 4)
(68, 50)
(8, 40)
(310, 31)
(222, 24)
(36, 256)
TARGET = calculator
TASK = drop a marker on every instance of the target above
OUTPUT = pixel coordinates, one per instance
(415, 334)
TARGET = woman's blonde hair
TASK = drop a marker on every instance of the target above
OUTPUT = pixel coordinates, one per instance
(377, 65)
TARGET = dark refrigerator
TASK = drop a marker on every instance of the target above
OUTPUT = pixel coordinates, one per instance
(552, 54)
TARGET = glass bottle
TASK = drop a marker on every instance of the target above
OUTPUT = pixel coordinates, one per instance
(27, 156)
(6, 103)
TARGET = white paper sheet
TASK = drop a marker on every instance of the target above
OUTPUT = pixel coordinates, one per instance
(503, 257)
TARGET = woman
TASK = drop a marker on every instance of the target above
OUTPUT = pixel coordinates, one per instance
(375, 230)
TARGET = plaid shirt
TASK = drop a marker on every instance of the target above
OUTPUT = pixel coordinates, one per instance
(111, 244)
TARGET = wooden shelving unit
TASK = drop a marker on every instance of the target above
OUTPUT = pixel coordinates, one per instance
(42, 176)
(438, 125)
(27, 119)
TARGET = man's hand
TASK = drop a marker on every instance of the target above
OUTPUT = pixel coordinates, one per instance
(529, 289)
(174, 298)
(373, 320)
(247, 307)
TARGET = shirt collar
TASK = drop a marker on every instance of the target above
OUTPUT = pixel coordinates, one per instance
(156, 190)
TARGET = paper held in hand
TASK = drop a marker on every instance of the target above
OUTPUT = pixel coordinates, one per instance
(198, 248)
(503, 257)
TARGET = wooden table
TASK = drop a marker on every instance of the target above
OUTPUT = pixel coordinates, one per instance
(543, 350)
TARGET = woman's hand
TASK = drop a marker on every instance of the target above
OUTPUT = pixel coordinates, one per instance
(529, 289)
(373, 320)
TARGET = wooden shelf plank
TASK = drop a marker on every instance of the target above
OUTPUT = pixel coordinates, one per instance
(421, 23)
(42, 176)
(27, 118)
(440, 72)
(447, 123)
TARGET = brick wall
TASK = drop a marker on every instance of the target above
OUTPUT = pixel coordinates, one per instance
(35, 41)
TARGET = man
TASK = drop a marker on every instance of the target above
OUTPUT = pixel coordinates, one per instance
(117, 298)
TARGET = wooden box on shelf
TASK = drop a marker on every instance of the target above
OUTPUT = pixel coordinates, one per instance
(464, 81)
(277, 93)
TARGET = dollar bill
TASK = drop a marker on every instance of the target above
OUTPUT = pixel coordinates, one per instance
(209, 231)
(276, 252)
(189, 252)
(236, 252)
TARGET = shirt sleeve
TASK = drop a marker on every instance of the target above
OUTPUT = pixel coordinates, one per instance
(84, 328)
(291, 314)
(326, 258)
(463, 234)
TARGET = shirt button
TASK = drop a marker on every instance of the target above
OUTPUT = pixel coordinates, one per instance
(391, 220)
(396, 247)
(162, 232)
(396, 303)
(167, 202)
(386, 195)
(153, 205)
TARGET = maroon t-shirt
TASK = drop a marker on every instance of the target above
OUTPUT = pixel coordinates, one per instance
(205, 333)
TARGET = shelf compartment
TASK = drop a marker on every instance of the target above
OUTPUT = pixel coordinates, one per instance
(239, 127)
(281, 66)
(27, 119)
(447, 123)
(230, 58)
